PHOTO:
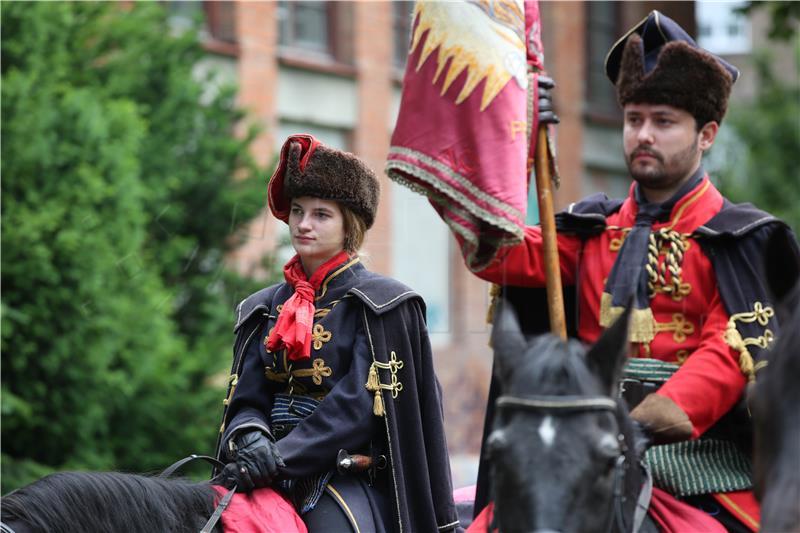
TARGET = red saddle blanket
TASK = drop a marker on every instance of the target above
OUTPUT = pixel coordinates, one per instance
(671, 515)
(261, 511)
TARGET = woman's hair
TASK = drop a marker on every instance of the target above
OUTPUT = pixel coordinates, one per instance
(354, 229)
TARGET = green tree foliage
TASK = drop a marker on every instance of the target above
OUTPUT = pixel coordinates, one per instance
(118, 202)
(762, 168)
(784, 16)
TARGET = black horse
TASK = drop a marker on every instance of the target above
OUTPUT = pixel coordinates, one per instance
(100, 502)
(564, 454)
(776, 400)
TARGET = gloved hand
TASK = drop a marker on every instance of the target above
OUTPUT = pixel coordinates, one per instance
(547, 114)
(257, 462)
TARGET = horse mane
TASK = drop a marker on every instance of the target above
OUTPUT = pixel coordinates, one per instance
(110, 501)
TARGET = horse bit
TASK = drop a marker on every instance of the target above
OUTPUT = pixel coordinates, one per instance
(580, 404)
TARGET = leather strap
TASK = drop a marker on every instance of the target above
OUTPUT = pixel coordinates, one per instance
(174, 467)
(223, 504)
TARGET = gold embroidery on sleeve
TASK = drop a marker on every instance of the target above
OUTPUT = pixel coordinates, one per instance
(734, 339)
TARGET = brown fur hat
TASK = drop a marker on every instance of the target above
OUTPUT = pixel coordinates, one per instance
(308, 168)
(684, 77)
(657, 62)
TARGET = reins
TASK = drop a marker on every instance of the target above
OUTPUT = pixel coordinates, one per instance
(580, 404)
(223, 503)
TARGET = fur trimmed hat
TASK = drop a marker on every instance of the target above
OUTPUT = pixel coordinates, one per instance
(309, 168)
(657, 62)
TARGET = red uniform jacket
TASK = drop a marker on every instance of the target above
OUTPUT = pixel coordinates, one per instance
(691, 326)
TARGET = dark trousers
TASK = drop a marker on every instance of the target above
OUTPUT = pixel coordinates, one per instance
(348, 504)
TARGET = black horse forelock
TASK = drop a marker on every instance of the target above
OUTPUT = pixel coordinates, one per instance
(555, 367)
(109, 501)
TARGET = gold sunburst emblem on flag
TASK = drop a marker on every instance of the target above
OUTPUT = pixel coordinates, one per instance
(485, 38)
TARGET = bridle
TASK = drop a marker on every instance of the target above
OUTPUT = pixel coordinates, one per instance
(570, 404)
(224, 501)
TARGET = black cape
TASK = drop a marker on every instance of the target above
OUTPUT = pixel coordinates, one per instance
(394, 319)
(734, 240)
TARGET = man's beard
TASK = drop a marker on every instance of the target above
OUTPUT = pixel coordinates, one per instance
(669, 172)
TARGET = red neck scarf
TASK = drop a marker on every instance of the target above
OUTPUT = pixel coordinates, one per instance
(293, 329)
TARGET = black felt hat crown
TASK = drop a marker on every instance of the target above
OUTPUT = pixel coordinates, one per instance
(309, 168)
(657, 62)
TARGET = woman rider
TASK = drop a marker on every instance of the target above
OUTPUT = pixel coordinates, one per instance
(336, 358)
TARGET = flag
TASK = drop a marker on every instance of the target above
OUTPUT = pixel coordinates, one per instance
(464, 131)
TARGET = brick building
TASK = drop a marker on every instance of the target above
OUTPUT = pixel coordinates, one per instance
(334, 69)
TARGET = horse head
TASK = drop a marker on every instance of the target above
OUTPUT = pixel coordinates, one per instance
(776, 462)
(562, 447)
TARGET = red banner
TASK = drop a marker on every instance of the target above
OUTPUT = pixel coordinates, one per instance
(463, 135)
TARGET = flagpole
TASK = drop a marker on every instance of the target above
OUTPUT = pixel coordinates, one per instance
(544, 192)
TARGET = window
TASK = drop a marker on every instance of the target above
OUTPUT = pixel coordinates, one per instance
(333, 137)
(217, 19)
(722, 30)
(402, 13)
(316, 30)
(221, 20)
(417, 232)
(304, 25)
(601, 33)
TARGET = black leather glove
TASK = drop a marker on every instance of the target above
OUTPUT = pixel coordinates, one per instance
(257, 462)
(547, 113)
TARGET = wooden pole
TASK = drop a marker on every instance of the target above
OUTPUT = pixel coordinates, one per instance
(544, 191)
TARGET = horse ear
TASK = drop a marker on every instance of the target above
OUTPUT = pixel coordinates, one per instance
(608, 354)
(781, 264)
(508, 340)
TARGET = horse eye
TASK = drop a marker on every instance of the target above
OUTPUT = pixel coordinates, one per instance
(497, 441)
(609, 448)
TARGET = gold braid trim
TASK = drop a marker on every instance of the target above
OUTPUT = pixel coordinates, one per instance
(642, 326)
(673, 245)
(374, 382)
(734, 339)
(233, 380)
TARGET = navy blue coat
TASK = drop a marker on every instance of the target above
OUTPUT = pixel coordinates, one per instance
(361, 318)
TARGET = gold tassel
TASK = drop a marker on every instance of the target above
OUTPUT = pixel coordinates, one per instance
(494, 293)
(377, 404)
(746, 365)
(373, 383)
